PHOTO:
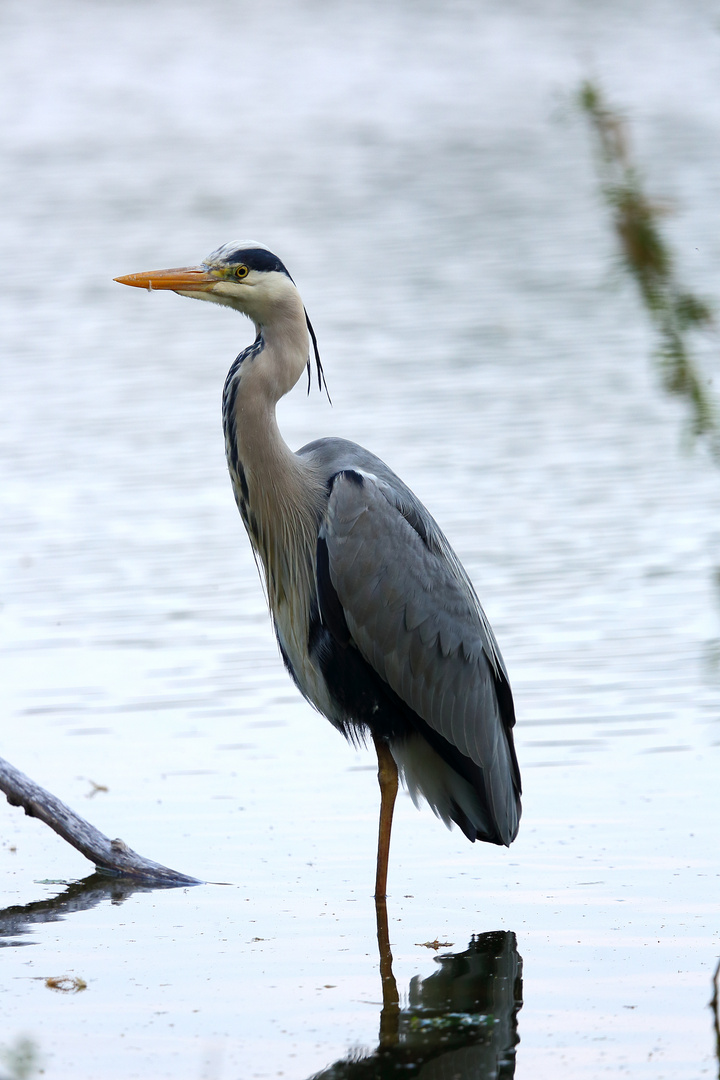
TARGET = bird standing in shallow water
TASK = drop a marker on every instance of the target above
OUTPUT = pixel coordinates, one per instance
(376, 619)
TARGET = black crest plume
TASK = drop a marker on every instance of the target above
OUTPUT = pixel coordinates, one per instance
(318, 363)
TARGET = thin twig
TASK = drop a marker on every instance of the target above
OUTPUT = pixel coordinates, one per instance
(109, 856)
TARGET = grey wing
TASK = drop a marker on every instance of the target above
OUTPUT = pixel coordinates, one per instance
(414, 617)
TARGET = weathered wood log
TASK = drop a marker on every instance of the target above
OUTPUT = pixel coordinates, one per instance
(109, 856)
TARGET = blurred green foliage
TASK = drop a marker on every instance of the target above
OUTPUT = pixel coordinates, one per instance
(22, 1059)
(646, 255)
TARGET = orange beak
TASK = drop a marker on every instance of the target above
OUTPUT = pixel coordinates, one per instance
(184, 279)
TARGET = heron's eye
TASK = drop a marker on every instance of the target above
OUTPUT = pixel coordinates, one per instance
(241, 272)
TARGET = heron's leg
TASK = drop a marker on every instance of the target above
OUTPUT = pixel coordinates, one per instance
(388, 780)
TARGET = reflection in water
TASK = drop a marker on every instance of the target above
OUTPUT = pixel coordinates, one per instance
(716, 1020)
(390, 1015)
(78, 896)
(459, 1023)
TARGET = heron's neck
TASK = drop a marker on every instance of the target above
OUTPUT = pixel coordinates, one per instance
(278, 495)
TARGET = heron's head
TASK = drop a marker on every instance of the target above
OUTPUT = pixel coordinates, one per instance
(247, 277)
(244, 276)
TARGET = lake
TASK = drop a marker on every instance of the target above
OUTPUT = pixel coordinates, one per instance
(426, 175)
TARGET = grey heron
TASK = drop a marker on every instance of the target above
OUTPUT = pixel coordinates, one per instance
(377, 622)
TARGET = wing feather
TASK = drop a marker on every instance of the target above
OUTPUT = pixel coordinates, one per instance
(414, 617)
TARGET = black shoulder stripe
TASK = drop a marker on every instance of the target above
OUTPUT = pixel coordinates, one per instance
(331, 609)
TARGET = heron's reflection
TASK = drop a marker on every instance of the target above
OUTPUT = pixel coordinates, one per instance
(460, 1022)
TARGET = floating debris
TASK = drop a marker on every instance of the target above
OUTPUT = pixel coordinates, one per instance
(66, 984)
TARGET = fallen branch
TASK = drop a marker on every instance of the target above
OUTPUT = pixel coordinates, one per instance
(109, 856)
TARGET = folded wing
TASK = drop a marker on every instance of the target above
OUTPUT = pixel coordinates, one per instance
(414, 617)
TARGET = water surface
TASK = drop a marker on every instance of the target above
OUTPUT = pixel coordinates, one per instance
(423, 172)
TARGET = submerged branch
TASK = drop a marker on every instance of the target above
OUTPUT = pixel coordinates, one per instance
(647, 256)
(109, 856)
